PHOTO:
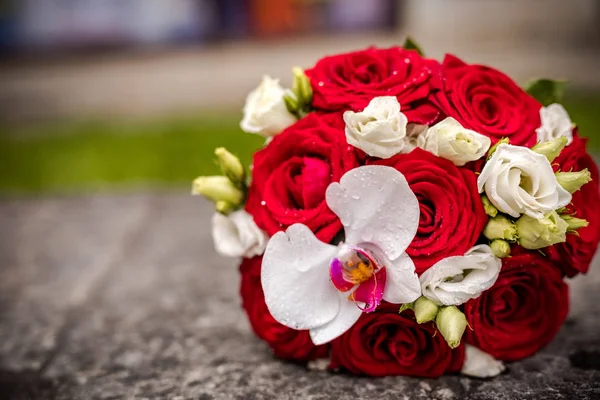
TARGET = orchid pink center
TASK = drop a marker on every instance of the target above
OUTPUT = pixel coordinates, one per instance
(357, 268)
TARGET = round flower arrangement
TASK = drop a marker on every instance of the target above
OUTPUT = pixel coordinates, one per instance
(405, 216)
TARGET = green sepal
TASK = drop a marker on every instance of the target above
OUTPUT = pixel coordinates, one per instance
(291, 103)
(492, 149)
(410, 44)
(406, 306)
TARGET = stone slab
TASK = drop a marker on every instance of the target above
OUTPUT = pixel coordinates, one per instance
(163, 321)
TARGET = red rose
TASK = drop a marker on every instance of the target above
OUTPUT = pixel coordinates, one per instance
(575, 255)
(452, 214)
(351, 80)
(286, 343)
(522, 312)
(386, 343)
(487, 101)
(291, 174)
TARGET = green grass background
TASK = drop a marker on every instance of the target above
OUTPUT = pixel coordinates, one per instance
(92, 155)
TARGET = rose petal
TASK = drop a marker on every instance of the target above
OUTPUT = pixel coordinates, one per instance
(402, 284)
(295, 279)
(347, 316)
(376, 205)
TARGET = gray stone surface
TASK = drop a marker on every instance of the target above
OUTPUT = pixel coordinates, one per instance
(123, 298)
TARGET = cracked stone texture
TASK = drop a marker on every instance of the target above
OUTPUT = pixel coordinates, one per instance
(123, 297)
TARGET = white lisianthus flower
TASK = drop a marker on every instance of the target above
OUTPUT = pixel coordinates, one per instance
(236, 235)
(453, 281)
(323, 288)
(265, 112)
(378, 130)
(458, 144)
(519, 181)
(419, 136)
(480, 364)
(555, 123)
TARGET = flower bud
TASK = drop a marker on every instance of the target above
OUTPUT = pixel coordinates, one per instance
(218, 188)
(500, 248)
(451, 323)
(290, 102)
(495, 146)
(500, 227)
(538, 233)
(425, 310)
(489, 208)
(301, 86)
(574, 223)
(552, 148)
(224, 207)
(231, 166)
(573, 181)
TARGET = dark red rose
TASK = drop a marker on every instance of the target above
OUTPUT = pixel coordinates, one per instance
(351, 80)
(575, 255)
(522, 312)
(286, 343)
(452, 214)
(487, 101)
(291, 174)
(386, 343)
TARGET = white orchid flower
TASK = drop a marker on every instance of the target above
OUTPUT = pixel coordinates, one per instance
(323, 288)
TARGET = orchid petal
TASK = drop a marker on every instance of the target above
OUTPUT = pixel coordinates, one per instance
(402, 284)
(371, 291)
(295, 279)
(336, 273)
(347, 316)
(376, 205)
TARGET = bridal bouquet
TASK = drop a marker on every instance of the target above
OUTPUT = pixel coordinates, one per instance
(406, 216)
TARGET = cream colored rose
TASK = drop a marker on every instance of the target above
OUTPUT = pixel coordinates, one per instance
(458, 144)
(236, 235)
(265, 112)
(455, 280)
(555, 123)
(519, 181)
(378, 130)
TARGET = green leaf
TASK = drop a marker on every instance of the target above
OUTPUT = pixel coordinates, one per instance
(410, 44)
(546, 91)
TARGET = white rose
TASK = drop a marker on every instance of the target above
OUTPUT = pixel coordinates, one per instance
(378, 130)
(419, 136)
(455, 280)
(519, 181)
(555, 123)
(480, 364)
(265, 112)
(236, 235)
(458, 144)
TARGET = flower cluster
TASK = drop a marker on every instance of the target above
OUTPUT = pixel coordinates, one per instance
(406, 216)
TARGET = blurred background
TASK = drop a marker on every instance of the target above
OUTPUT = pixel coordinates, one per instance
(117, 95)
